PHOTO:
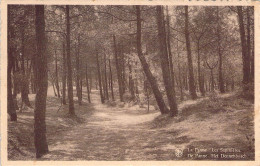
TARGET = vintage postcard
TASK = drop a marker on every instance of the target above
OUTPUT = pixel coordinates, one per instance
(130, 82)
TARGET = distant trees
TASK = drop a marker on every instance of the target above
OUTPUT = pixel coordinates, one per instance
(195, 47)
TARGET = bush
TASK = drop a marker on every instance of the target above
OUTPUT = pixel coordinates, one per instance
(248, 91)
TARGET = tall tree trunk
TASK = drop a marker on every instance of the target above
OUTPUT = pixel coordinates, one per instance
(10, 59)
(131, 82)
(168, 82)
(136, 83)
(69, 78)
(81, 85)
(169, 48)
(124, 73)
(157, 94)
(15, 83)
(119, 74)
(78, 73)
(249, 43)
(105, 77)
(252, 68)
(57, 75)
(246, 59)
(111, 80)
(99, 79)
(87, 82)
(102, 78)
(192, 87)
(15, 70)
(122, 67)
(212, 80)
(180, 74)
(90, 81)
(53, 86)
(220, 73)
(64, 74)
(201, 83)
(10, 101)
(24, 83)
(42, 84)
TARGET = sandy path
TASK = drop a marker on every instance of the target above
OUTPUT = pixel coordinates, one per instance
(114, 133)
(108, 134)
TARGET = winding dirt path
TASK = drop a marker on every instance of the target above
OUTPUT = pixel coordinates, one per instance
(118, 134)
(112, 134)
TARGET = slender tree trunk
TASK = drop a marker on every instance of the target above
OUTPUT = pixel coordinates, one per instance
(87, 82)
(111, 80)
(119, 75)
(201, 83)
(157, 94)
(42, 85)
(64, 74)
(246, 59)
(103, 78)
(79, 95)
(10, 101)
(186, 78)
(212, 80)
(220, 73)
(11, 110)
(90, 81)
(24, 83)
(131, 82)
(252, 68)
(122, 68)
(32, 84)
(53, 86)
(57, 75)
(169, 48)
(105, 75)
(180, 74)
(81, 85)
(136, 83)
(249, 44)
(192, 87)
(96, 83)
(15, 83)
(99, 79)
(168, 82)
(69, 78)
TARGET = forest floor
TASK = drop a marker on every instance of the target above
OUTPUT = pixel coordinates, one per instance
(223, 124)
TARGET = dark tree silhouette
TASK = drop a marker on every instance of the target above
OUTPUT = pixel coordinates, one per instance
(157, 94)
(192, 87)
(165, 64)
(42, 84)
(69, 69)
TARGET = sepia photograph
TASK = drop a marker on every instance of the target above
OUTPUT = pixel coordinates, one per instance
(130, 83)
